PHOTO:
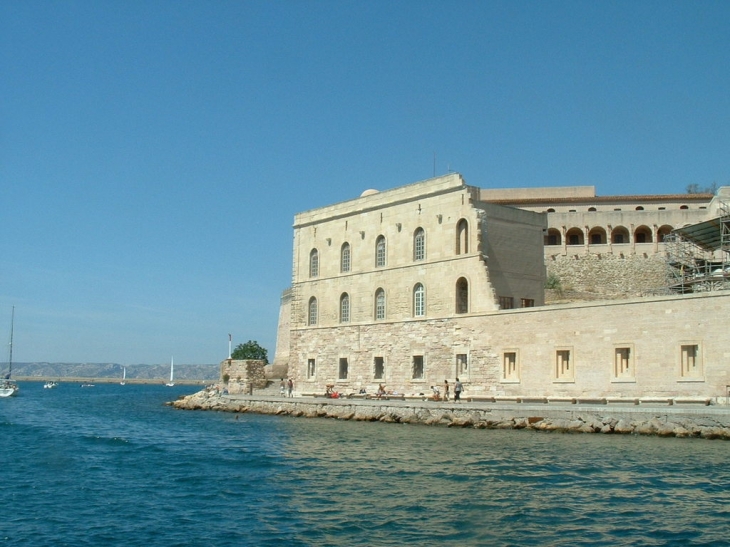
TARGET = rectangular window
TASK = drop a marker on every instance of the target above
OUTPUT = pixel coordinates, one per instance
(527, 302)
(379, 368)
(462, 364)
(342, 373)
(691, 361)
(564, 365)
(417, 367)
(506, 302)
(311, 368)
(623, 366)
(509, 367)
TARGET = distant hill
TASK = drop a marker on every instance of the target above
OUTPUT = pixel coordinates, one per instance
(113, 370)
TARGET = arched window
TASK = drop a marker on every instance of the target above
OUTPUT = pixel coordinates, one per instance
(462, 237)
(684, 207)
(663, 232)
(597, 236)
(314, 263)
(553, 237)
(462, 295)
(419, 300)
(379, 305)
(642, 234)
(574, 236)
(345, 258)
(591, 209)
(639, 208)
(620, 235)
(312, 319)
(551, 210)
(380, 252)
(419, 244)
(345, 308)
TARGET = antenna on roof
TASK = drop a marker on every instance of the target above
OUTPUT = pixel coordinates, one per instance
(434, 163)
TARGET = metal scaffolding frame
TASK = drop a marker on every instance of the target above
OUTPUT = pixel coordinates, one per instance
(698, 256)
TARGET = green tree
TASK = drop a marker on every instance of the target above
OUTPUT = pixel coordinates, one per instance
(250, 350)
(697, 189)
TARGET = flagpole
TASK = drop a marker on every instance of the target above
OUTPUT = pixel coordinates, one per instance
(229, 346)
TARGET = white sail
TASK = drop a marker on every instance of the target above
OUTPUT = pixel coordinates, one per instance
(172, 373)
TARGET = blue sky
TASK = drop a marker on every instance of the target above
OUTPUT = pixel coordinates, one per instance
(153, 154)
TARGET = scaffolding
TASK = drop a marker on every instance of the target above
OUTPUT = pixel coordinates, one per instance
(698, 255)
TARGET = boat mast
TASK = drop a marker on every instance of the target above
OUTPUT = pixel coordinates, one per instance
(10, 357)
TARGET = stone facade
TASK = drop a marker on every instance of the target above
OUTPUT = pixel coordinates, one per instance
(609, 246)
(242, 376)
(431, 281)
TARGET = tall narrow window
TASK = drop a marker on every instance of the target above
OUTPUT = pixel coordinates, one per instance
(563, 365)
(342, 372)
(379, 305)
(313, 311)
(311, 368)
(462, 364)
(419, 244)
(462, 237)
(509, 366)
(345, 258)
(345, 308)
(462, 295)
(380, 252)
(378, 368)
(417, 367)
(691, 362)
(419, 300)
(314, 263)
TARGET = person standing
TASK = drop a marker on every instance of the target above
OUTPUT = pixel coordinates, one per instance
(446, 390)
(458, 388)
(291, 387)
(282, 387)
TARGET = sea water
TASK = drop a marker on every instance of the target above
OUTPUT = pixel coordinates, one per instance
(113, 465)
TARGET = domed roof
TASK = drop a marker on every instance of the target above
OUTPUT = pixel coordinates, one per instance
(369, 192)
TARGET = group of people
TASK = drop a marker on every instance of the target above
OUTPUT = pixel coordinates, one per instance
(458, 388)
(286, 388)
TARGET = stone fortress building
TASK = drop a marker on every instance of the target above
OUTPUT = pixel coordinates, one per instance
(437, 280)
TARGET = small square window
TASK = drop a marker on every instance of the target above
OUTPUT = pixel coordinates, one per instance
(691, 362)
(623, 363)
(564, 367)
(510, 372)
(506, 302)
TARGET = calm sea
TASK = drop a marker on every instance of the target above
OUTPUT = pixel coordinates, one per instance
(112, 465)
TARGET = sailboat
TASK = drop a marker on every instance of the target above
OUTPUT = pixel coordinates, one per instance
(124, 377)
(8, 388)
(172, 373)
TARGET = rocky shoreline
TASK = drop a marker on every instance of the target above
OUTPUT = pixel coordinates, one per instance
(708, 422)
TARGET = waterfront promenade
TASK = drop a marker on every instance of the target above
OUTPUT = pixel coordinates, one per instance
(647, 418)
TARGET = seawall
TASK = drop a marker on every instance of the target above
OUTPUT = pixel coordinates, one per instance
(707, 422)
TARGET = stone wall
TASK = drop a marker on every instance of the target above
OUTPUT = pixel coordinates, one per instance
(653, 332)
(242, 376)
(587, 276)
